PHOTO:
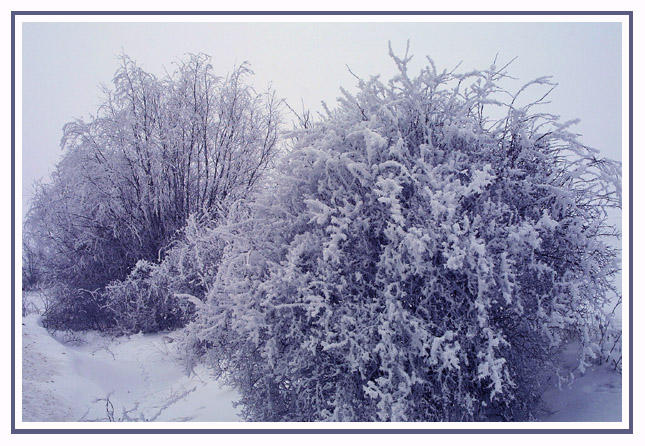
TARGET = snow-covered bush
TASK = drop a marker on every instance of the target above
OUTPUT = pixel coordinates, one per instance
(32, 265)
(157, 151)
(417, 260)
(75, 309)
(192, 260)
(144, 301)
(610, 335)
(28, 305)
(157, 297)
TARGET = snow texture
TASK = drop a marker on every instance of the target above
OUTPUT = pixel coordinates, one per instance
(69, 376)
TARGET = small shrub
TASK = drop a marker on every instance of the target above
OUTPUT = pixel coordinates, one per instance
(192, 260)
(28, 306)
(159, 297)
(144, 301)
(75, 309)
(610, 333)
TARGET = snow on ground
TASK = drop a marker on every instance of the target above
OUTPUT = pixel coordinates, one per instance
(90, 377)
(594, 396)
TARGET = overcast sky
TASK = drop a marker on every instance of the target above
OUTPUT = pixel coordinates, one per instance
(64, 64)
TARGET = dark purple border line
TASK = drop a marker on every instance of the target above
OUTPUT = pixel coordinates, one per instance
(631, 222)
(369, 13)
(13, 222)
(629, 430)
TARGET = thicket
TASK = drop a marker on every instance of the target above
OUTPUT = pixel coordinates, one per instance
(422, 252)
(158, 151)
(417, 260)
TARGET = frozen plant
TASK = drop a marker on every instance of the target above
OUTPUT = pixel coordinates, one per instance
(162, 296)
(157, 151)
(429, 245)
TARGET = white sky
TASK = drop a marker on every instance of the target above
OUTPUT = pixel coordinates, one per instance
(64, 64)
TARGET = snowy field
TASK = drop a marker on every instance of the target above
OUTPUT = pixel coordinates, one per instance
(90, 377)
(71, 377)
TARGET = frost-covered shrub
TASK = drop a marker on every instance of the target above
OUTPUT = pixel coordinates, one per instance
(192, 260)
(144, 301)
(156, 297)
(610, 335)
(416, 260)
(28, 306)
(157, 151)
(32, 265)
(75, 309)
